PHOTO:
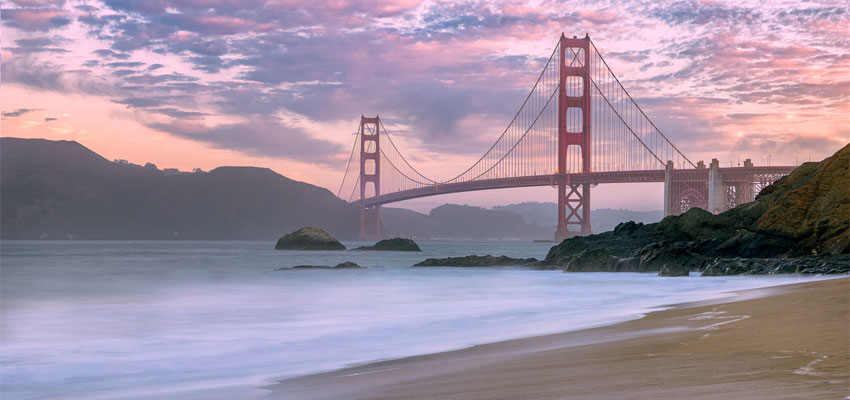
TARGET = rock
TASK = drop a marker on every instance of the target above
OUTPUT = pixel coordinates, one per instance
(347, 264)
(308, 238)
(828, 265)
(696, 223)
(479, 261)
(811, 205)
(725, 266)
(754, 244)
(396, 244)
(670, 261)
(671, 269)
(595, 260)
(343, 265)
(795, 225)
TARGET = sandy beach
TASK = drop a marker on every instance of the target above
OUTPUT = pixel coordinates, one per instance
(785, 342)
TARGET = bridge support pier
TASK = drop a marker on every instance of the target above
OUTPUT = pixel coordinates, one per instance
(370, 223)
(716, 189)
(370, 177)
(573, 209)
(574, 72)
(668, 189)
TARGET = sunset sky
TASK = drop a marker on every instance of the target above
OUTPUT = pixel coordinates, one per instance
(282, 84)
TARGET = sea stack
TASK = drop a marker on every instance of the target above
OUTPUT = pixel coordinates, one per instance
(308, 238)
(396, 244)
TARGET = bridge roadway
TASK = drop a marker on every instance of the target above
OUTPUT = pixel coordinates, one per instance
(730, 175)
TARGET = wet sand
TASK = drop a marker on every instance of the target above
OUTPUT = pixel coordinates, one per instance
(786, 342)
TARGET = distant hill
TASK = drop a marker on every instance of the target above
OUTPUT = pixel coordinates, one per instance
(452, 221)
(61, 189)
(601, 219)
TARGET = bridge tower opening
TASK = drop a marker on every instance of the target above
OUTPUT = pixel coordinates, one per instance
(370, 177)
(573, 199)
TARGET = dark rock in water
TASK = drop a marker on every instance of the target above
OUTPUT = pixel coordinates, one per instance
(308, 238)
(479, 261)
(343, 265)
(396, 244)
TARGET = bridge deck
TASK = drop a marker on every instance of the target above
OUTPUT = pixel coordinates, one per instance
(730, 175)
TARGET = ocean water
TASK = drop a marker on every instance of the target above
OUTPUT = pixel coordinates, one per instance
(214, 320)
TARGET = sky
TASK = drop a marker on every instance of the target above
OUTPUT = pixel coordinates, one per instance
(282, 84)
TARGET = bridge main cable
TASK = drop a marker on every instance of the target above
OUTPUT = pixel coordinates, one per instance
(626, 92)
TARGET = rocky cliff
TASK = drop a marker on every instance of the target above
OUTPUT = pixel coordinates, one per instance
(801, 223)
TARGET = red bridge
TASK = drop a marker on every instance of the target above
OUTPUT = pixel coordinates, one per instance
(577, 128)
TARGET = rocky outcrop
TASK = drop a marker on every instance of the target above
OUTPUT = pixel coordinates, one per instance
(791, 222)
(342, 265)
(829, 264)
(396, 244)
(308, 238)
(480, 261)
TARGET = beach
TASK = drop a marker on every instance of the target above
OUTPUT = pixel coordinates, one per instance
(783, 342)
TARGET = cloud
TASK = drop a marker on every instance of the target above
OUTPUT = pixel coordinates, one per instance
(175, 113)
(140, 102)
(28, 46)
(35, 19)
(48, 119)
(38, 3)
(20, 111)
(125, 64)
(50, 77)
(107, 53)
(702, 13)
(449, 75)
(254, 138)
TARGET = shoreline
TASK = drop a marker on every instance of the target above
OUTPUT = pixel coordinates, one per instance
(595, 362)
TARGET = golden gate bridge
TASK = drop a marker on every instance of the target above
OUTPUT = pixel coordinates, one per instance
(577, 128)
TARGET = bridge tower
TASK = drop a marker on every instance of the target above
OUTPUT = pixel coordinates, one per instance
(370, 173)
(573, 199)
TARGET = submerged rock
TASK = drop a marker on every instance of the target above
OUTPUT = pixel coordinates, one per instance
(396, 244)
(308, 238)
(342, 265)
(479, 261)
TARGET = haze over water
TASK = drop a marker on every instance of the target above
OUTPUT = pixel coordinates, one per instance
(127, 320)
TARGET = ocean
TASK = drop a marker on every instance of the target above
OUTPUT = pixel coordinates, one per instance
(214, 320)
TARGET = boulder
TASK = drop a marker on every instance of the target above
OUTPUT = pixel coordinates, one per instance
(726, 266)
(342, 265)
(308, 238)
(478, 261)
(696, 223)
(396, 244)
(670, 261)
(595, 260)
(753, 244)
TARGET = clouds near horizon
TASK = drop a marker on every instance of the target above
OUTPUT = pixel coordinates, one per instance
(717, 77)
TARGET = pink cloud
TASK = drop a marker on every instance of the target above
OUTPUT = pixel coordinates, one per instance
(35, 19)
